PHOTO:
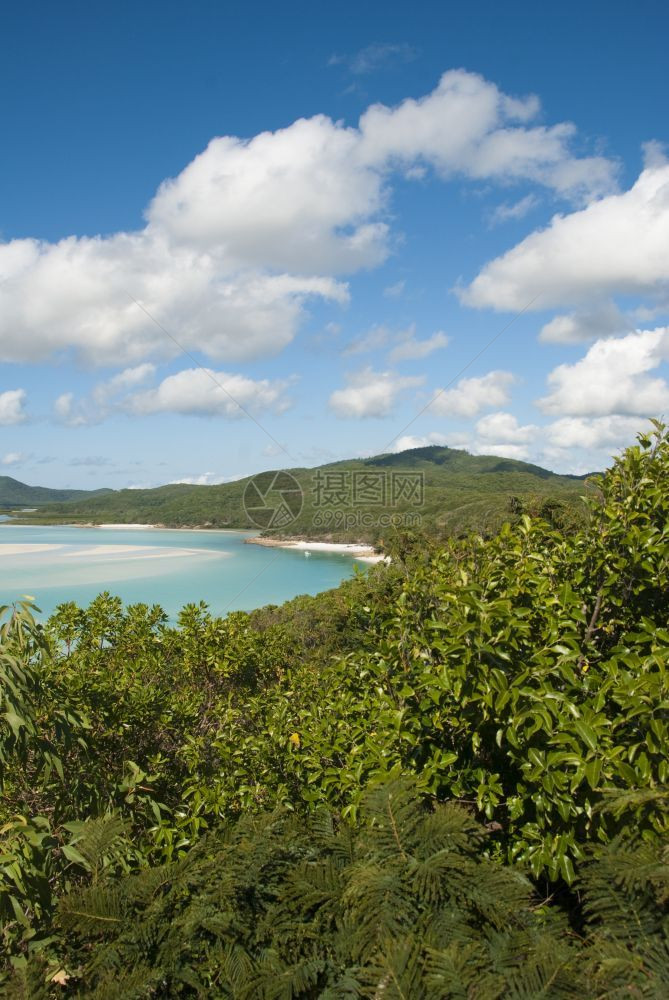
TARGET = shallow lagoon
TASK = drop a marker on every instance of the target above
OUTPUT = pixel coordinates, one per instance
(157, 566)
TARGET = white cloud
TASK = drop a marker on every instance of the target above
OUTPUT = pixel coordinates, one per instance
(501, 434)
(472, 395)
(408, 441)
(615, 246)
(250, 230)
(296, 199)
(519, 452)
(371, 394)
(602, 321)
(196, 391)
(68, 411)
(468, 126)
(504, 428)
(612, 378)
(511, 211)
(375, 338)
(128, 379)
(205, 479)
(406, 346)
(13, 458)
(394, 291)
(76, 295)
(375, 56)
(191, 391)
(12, 407)
(610, 432)
(104, 399)
(411, 349)
(587, 444)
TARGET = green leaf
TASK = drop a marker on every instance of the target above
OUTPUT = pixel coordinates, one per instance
(72, 854)
(586, 733)
(592, 772)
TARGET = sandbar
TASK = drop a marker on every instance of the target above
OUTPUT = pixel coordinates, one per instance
(26, 548)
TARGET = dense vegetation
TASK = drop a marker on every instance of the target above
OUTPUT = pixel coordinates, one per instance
(447, 778)
(461, 492)
(16, 494)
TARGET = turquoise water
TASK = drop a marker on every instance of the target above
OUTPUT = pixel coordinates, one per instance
(170, 568)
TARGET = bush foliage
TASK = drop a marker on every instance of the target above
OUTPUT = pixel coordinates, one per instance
(448, 778)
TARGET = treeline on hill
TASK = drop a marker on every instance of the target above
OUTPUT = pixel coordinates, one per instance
(449, 778)
(453, 493)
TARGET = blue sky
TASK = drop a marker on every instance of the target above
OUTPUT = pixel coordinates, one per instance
(235, 236)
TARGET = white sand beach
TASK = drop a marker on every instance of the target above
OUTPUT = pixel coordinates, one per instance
(358, 550)
(126, 527)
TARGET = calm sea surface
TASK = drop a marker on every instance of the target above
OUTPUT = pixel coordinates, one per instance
(170, 568)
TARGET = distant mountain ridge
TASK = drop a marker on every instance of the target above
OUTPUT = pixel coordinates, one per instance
(16, 494)
(458, 460)
(459, 492)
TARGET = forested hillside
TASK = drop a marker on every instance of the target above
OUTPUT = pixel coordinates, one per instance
(453, 492)
(447, 778)
(16, 494)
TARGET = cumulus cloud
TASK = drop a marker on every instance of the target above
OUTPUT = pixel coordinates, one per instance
(104, 399)
(504, 428)
(468, 126)
(408, 441)
(296, 199)
(79, 294)
(12, 403)
(592, 324)
(611, 432)
(236, 245)
(128, 379)
(520, 452)
(614, 246)
(412, 349)
(200, 392)
(586, 444)
(501, 434)
(205, 479)
(192, 391)
(69, 411)
(371, 394)
(612, 378)
(472, 395)
(13, 458)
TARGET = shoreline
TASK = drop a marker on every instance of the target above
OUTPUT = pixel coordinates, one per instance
(123, 527)
(361, 551)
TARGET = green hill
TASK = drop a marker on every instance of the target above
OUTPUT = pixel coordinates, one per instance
(16, 494)
(440, 490)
